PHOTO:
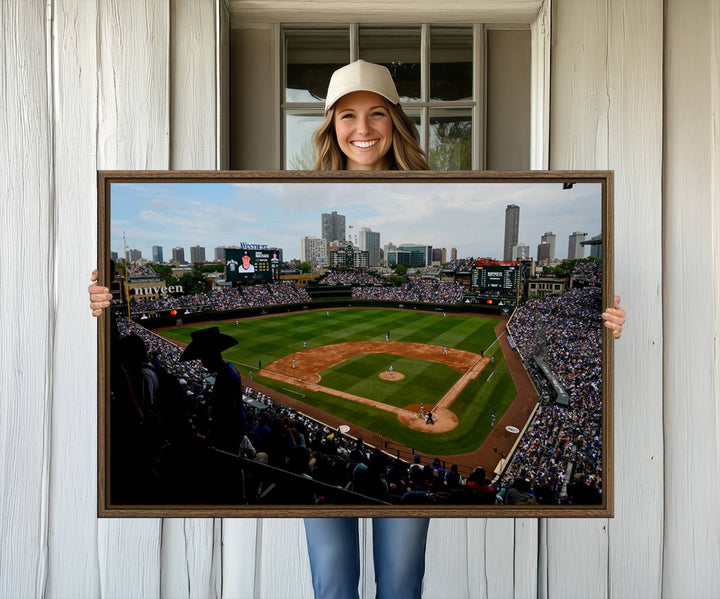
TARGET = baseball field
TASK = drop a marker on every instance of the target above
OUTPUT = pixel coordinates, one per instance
(375, 368)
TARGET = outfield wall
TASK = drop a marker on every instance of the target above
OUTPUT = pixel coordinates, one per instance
(160, 319)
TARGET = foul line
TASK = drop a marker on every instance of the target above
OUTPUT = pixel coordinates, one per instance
(250, 366)
(497, 339)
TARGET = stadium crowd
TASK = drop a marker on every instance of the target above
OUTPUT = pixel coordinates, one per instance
(463, 265)
(421, 291)
(432, 271)
(351, 277)
(249, 296)
(560, 456)
(141, 271)
(587, 273)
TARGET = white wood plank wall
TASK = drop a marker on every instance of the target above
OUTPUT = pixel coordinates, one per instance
(27, 315)
(606, 112)
(73, 540)
(635, 87)
(690, 297)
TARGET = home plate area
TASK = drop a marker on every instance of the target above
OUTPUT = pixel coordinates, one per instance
(302, 370)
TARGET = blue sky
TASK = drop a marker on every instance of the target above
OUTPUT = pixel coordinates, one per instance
(468, 216)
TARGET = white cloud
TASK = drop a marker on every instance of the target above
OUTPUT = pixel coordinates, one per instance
(469, 216)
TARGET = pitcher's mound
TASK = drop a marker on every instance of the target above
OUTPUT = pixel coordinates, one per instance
(392, 376)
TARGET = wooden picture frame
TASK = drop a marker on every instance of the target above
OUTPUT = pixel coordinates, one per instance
(360, 350)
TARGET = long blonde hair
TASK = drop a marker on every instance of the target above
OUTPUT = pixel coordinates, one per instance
(404, 155)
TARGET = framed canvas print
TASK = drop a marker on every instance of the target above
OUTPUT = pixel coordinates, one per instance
(355, 344)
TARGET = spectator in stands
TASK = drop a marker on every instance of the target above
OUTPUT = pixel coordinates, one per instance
(452, 477)
(519, 493)
(229, 420)
(135, 427)
(141, 373)
(484, 492)
(369, 479)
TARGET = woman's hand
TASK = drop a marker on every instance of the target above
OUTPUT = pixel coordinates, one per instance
(615, 318)
(99, 296)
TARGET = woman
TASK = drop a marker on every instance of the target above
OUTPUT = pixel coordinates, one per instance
(365, 129)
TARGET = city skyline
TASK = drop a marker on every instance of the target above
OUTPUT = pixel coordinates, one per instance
(466, 216)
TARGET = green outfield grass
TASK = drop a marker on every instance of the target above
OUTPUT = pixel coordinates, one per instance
(270, 338)
(424, 382)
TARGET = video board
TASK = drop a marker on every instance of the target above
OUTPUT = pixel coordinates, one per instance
(251, 265)
(495, 277)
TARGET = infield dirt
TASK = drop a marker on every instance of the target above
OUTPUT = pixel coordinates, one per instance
(303, 369)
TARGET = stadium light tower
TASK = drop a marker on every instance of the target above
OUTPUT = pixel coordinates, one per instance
(127, 274)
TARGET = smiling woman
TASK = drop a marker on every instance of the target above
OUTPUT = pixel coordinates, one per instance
(363, 107)
(364, 131)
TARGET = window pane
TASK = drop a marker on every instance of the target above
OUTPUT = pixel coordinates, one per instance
(299, 150)
(399, 51)
(451, 56)
(450, 140)
(311, 57)
(414, 115)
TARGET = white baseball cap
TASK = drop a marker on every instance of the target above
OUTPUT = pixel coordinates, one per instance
(361, 76)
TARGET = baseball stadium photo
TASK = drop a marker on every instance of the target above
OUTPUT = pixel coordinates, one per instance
(376, 345)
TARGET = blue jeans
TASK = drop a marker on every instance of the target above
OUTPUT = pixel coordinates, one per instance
(398, 553)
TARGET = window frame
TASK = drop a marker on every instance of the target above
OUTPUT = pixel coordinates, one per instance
(476, 106)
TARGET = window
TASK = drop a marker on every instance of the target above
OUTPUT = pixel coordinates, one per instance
(467, 87)
(439, 72)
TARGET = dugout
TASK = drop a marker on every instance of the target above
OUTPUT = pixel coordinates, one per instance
(562, 397)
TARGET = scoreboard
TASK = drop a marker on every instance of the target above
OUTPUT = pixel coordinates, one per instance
(251, 265)
(496, 277)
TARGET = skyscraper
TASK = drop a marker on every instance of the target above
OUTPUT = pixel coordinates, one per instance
(197, 254)
(134, 255)
(178, 255)
(220, 251)
(543, 252)
(512, 226)
(333, 226)
(521, 252)
(387, 248)
(420, 255)
(575, 249)
(370, 242)
(314, 251)
(453, 254)
(549, 237)
(157, 253)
